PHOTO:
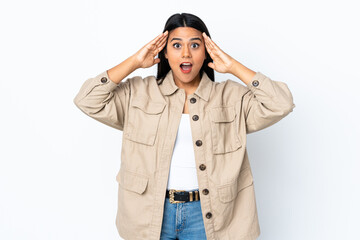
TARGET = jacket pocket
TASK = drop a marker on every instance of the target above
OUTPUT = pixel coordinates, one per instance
(132, 181)
(143, 122)
(228, 192)
(226, 207)
(135, 203)
(224, 130)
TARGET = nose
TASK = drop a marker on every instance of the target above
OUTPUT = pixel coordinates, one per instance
(186, 52)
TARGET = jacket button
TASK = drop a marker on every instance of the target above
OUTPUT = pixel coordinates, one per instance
(255, 83)
(205, 191)
(208, 215)
(195, 117)
(202, 167)
(198, 143)
(193, 100)
(103, 80)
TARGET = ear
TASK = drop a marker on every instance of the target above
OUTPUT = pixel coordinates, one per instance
(166, 56)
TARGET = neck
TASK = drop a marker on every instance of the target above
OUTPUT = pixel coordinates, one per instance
(189, 87)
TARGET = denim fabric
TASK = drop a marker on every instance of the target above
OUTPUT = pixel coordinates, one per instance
(182, 221)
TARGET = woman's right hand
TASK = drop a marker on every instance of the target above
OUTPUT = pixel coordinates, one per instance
(145, 57)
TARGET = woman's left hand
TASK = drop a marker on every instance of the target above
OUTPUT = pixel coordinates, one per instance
(222, 62)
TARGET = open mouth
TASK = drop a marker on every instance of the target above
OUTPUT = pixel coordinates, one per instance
(185, 67)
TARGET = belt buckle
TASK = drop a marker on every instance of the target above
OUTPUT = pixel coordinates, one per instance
(171, 196)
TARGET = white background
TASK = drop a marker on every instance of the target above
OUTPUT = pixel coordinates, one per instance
(58, 166)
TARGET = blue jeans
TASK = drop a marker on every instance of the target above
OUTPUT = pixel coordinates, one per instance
(182, 221)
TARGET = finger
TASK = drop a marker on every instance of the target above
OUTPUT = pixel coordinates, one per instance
(212, 55)
(161, 41)
(208, 44)
(211, 65)
(156, 60)
(214, 51)
(215, 46)
(164, 35)
(206, 38)
(211, 43)
(157, 38)
(204, 35)
(162, 46)
(209, 48)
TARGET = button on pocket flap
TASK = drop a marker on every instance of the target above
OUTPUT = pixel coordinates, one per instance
(222, 114)
(227, 192)
(132, 181)
(147, 106)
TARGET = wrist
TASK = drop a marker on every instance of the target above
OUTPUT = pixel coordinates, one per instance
(134, 63)
(234, 67)
(243, 73)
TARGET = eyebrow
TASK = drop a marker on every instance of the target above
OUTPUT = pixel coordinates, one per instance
(191, 39)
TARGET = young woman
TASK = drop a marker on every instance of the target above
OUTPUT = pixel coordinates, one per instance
(184, 172)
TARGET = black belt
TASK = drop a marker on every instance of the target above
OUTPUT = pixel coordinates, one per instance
(180, 196)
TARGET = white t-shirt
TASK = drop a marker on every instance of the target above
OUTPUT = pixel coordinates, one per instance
(182, 175)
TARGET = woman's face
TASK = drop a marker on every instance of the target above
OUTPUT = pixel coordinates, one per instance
(185, 52)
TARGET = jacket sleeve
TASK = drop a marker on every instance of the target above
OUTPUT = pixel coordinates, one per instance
(104, 100)
(266, 102)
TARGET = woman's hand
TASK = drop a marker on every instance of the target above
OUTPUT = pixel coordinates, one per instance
(222, 62)
(145, 57)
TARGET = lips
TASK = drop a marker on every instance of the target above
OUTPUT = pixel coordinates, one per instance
(186, 67)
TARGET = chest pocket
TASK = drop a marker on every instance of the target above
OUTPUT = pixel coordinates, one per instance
(143, 122)
(224, 130)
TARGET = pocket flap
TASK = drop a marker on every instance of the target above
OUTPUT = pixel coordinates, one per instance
(132, 181)
(222, 114)
(229, 191)
(147, 106)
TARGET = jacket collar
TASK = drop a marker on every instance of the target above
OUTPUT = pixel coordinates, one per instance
(168, 86)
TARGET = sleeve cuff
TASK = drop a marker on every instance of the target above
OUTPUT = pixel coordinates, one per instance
(104, 80)
(257, 81)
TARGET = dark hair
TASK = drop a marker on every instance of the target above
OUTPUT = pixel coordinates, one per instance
(183, 20)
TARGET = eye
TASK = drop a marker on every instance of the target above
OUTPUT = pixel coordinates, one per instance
(176, 45)
(195, 45)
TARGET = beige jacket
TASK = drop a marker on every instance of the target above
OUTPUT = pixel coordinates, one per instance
(221, 114)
